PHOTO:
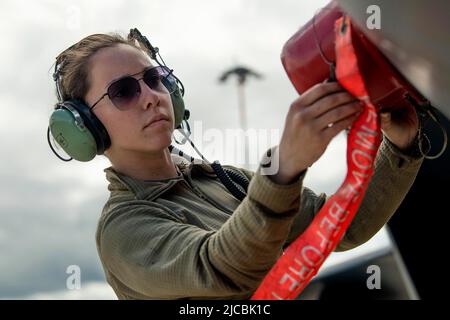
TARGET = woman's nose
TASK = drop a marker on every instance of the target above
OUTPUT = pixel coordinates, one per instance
(149, 96)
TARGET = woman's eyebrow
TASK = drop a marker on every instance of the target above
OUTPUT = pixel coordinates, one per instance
(127, 75)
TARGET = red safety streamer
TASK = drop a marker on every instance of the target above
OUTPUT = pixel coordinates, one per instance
(304, 257)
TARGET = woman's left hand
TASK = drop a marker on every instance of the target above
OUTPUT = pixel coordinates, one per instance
(400, 126)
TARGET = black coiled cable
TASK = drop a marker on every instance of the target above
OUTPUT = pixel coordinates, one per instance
(235, 182)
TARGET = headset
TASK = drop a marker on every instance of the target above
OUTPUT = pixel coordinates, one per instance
(82, 136)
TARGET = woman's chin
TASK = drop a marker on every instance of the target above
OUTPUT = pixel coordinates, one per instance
(161, 142)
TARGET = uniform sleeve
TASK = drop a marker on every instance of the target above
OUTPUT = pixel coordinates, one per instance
(394, 174)
(153, 252)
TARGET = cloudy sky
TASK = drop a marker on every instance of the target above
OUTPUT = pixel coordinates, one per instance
(49, 209)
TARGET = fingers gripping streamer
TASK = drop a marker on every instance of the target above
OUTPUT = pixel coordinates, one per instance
(304, 257)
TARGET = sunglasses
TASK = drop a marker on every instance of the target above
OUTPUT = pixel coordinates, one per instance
(125, 91)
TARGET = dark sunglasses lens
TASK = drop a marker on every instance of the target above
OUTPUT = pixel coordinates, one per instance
(123, 92)
(158, 79)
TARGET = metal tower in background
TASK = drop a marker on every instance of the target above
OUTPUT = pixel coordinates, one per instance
(242, 74)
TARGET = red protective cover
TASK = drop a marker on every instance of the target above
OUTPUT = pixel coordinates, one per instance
(306, 67)
(303, 258)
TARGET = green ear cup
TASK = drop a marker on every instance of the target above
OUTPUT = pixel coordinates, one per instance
(176, 96)
(178, 107)
(72, 135)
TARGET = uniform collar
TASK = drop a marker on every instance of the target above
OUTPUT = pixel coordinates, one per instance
(152, 189)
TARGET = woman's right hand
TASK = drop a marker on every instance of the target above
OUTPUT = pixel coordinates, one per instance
(307, 130)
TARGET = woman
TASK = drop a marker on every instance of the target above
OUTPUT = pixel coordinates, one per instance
(170, 229)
